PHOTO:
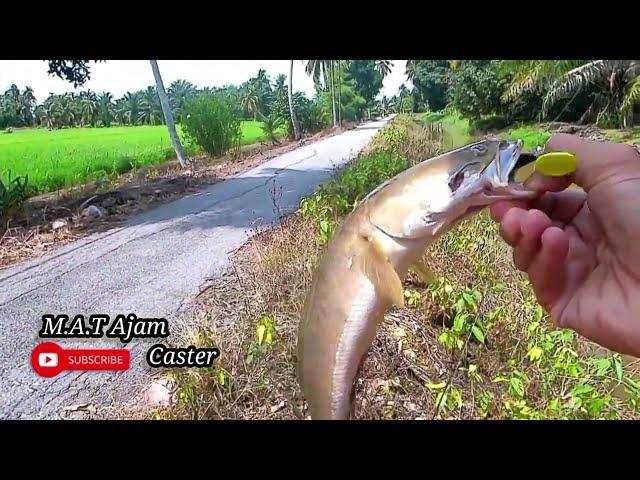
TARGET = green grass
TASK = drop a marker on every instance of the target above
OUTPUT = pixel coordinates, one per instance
(62, 158)
(456, 128)
(532, 136)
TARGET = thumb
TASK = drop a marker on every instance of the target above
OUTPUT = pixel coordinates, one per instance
(597, 162)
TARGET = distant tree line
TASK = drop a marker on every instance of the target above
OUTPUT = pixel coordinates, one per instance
(606, 92)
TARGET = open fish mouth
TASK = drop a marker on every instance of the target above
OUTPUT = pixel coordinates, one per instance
(499, 175)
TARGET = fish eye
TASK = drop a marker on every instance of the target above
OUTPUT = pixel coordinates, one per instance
(479, 149)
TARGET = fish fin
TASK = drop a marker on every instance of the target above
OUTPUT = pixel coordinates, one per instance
(424, 271)
(380, 272)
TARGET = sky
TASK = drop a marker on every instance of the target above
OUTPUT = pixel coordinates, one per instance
(120, 76)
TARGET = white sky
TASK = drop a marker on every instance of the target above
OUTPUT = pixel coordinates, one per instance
(120, 76)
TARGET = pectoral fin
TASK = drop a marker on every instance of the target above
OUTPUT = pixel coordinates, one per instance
(424, 272)
(380, 272)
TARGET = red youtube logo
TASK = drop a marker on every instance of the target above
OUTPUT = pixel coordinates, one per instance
(45, 359)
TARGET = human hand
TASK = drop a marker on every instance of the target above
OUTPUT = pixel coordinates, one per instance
(581, 249)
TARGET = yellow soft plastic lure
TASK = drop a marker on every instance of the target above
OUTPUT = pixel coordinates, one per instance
(556, 164)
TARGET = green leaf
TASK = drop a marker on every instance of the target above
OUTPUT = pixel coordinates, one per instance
(261, 331)
(539, 313)
(595, 406)
(603, 366)
(324, 226)
(460, 305)
(436, 386)
(581, 389)
(478, 333)
(618, 365)
(554, 404)
(469, 299)
(477, 296)
(457, 396)
(534, 353)
(441, 398)
(516, 387)
(458, 323)
(448, 288)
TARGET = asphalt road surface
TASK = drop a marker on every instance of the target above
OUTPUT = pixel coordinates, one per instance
(151, 267)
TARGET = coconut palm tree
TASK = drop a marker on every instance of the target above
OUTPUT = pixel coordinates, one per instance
(384, 67)
(250, 100)
(279, 82)
(324, 69)
(403, 92)
(168, 116)
(294, 120)
(410, 69)
(617, 83)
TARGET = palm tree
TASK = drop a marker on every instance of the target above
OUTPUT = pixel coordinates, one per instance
(617, 83)
(106, 108)
(250, 101)
(279, 82)
(410, 69)
(384, 67)
(294, 120)
(179, 92)
(151, 111)
(318, 69)
(131, 107)
(403, 92)
(88, 108)
(168, 117)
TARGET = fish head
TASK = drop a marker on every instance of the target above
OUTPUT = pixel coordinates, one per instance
(441, 191)
(483, 173)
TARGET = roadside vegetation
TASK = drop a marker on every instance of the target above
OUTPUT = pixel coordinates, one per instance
(474, 344)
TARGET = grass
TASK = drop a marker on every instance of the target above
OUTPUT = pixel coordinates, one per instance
(474, 344)
(532, 136)
(62, 158)
(455, 127)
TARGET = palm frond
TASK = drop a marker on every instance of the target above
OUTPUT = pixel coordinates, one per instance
(632, 95)
(573, 80)
(529, 75)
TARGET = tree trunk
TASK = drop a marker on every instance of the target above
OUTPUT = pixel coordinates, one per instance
(168, 116)
(339, 93)
(294, 120)
(333, 92)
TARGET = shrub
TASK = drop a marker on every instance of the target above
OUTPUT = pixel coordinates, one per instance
(210, 120)
(11, 196)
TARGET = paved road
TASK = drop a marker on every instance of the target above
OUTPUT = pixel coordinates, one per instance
(150, 267)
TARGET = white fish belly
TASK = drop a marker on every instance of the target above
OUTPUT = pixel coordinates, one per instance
(366, 312)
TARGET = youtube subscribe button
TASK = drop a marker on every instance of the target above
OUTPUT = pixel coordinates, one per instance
(49, 359)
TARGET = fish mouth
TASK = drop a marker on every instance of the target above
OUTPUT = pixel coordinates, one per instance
(498, 177)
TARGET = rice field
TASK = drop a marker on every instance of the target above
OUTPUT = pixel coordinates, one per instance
(63, 158)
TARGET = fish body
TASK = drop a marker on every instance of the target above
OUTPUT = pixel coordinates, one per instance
(360, 275)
